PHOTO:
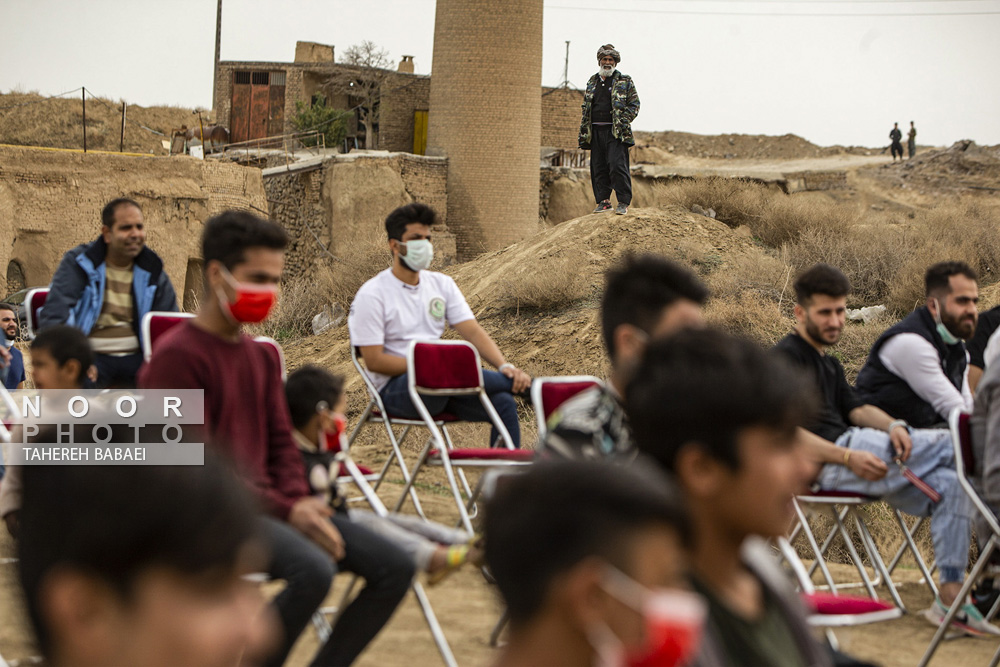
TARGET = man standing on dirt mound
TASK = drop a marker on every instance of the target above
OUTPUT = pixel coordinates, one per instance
(609, 107)
(896, 137)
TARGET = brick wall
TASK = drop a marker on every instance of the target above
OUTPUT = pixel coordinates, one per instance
(345, 200)
(485, 116)
(561, 113)
(401, 95)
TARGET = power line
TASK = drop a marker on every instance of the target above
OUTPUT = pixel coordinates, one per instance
(44, 99)
(695, 12)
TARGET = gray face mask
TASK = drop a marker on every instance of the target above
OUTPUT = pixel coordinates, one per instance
(419, 254)
(947, 336)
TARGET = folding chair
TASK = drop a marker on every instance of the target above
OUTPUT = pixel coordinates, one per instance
(961, 440)
(375, 413)
(453, 368)
(548, 393)
(156, 323)
(273, 348)
(33, 302)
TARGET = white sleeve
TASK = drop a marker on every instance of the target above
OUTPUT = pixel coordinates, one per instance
(992, 349)
(910, 357)
(458, 310)
(366, 323)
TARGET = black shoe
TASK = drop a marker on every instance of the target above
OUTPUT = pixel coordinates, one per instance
(621, 209)
(985, 596)
(603, 206)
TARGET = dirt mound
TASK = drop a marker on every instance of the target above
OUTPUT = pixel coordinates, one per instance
(961, 167)
(657, 147)
(29, 119)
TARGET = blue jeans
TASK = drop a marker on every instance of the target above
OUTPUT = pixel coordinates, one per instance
(933, 460)
(396, 398)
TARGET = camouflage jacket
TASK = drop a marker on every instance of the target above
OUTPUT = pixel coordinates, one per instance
(624, 108)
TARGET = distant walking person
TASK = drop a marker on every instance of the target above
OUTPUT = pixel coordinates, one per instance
(609, 107)
(896, 135)
(911, 140)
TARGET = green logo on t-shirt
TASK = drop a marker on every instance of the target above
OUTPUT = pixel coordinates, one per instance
(436, 308)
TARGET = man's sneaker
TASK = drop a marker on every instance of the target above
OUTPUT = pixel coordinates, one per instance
(968, 620)
(985, 595)
(621, 209)
(603, 206)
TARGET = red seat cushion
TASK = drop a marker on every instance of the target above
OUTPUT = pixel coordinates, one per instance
(495, 454)
(555, 394)
(445, 366)
(829, 604)
(37, 301)
(365, 470)
(161, 324)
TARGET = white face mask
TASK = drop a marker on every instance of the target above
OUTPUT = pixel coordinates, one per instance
(948, 337)
(419, 254)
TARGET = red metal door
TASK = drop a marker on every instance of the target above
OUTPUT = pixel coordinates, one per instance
(259, 104)
(276, 122)
(239, 113)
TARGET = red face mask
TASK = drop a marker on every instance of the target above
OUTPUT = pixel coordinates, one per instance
(334, 441)
(253, 302)
(673, 621)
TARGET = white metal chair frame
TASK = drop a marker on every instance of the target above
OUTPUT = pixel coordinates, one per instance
(441, 441)
(955, 423)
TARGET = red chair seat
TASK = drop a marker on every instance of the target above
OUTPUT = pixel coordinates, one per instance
(496, 454)
(365, 470)
(829, 604)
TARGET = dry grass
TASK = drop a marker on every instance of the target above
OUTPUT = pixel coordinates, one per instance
(553, 282)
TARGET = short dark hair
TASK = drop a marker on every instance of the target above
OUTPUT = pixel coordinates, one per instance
(821, 279)
(396, 222)
(108, 212)
(306, 387)
(543, 522)
(114, 524)
(7, 306)
(228, 235)
(64, 342)
(639, 287)
(937, 278)
(705, 387)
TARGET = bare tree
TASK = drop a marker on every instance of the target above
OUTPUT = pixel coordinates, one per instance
(367, 66)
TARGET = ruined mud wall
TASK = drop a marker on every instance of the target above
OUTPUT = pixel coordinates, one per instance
(343, 202)
(51, 201)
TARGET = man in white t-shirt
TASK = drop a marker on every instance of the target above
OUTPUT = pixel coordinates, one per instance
(407, 302)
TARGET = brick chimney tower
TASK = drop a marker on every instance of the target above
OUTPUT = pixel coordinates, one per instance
(485, 116)
(405, 65)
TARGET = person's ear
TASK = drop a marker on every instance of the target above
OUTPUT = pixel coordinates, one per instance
(698, 472)
(580, 591)
(629, 341)
(106, 234)
(71, 369)
(83, 616)
(800, 313)
(213, 273)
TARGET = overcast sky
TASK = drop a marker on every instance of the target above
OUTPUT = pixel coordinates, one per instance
(833, 72)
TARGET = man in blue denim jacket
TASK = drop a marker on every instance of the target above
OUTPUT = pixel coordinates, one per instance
(105, 287)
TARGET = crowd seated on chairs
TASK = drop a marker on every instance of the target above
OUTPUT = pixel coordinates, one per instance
(873, 447)
(408, 302)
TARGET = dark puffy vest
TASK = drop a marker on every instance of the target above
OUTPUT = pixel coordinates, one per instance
(878, 386)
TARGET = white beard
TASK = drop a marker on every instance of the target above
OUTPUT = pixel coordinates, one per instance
(606, 71)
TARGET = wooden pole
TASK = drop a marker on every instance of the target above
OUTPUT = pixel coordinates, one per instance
(83, 95)
(121, 146)
(218, 50)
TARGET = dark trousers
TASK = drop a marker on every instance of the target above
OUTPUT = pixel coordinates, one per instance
(308, 571)
(609, 166)
(897, 149)
(117, 371)
(396, 398)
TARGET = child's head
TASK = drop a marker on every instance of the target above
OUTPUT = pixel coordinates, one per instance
(314, 396)
(60, 357)
(142, 566)
(721, 414)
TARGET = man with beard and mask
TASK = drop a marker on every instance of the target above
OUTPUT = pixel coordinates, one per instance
(869, 442)
(610, 105)
(13, 374)
(247, 418)
(406, 302)
(104, 288)
(918, 369)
